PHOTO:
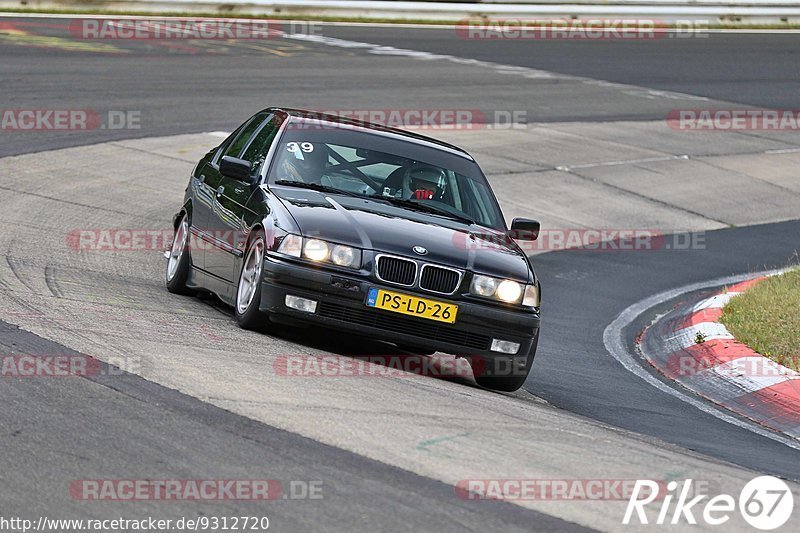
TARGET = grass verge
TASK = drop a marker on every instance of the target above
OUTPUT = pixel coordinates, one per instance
(767, 318)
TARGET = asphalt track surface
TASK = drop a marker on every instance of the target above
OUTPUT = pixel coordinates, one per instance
(101, 423)
(754, 69)
(192, 90)
(192, 87)
(594, 387)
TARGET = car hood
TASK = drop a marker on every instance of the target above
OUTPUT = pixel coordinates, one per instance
(382, 227)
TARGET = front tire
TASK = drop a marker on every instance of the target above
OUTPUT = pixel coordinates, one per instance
(504, 374)
(180, 260)
(248, 291)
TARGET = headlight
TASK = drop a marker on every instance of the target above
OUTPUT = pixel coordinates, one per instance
(531, 298)
(343, 256)
(316, 250)
(509, 291)
(505, 290)
(291, 245)
(483, 285)
(319, 251)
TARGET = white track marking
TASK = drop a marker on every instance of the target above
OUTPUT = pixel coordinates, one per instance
(500, 68)
(614, 341)
(379, 49)
(783, 151)
(718, 301)
(623, 162)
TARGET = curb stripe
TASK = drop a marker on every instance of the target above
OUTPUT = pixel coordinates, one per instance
(777, 407)
(710, 314)
(718, 301)
(686, 337)
(743, 286)
(722, 369)
(697, 358)
(752, 373)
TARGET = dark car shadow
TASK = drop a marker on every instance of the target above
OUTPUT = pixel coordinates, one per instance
(370, 353)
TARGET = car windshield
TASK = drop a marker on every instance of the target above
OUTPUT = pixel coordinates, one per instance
(410, 175)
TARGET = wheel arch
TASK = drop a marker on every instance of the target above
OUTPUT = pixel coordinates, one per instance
(186, 209)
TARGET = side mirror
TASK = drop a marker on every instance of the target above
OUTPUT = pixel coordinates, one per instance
(524, 229)
(234, 168)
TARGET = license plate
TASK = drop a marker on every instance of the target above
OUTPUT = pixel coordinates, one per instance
(412, 305)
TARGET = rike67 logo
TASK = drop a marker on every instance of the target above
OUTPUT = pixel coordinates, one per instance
(765, 503)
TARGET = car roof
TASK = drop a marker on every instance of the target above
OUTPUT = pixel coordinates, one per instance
(371, 126)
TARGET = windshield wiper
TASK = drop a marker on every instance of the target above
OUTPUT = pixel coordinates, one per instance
(317, 187)
(425, 208)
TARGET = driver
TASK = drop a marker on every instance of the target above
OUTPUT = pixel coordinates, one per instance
(426, 184)
(304, 162)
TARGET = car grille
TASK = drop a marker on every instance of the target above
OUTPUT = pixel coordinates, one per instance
(396, 270)
(439, 279)
(410, 326)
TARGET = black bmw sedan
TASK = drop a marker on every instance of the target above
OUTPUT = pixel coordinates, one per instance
(301, 218)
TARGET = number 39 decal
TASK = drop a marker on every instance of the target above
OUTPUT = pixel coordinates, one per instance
(296, 147)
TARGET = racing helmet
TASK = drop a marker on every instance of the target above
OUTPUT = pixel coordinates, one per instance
(304, 161)
(426, 182)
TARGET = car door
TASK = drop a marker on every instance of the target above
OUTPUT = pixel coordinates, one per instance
(205, 182)
(228, 214)
(205, 177)
(206, 193)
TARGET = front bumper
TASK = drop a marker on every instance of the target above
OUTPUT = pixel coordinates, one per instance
(341, 305)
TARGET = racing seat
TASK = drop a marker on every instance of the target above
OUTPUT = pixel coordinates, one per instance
(395, 180)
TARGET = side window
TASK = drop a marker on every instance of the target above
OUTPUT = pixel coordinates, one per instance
(225, 144)
(257, 150)
(235, 148)
(479, 203)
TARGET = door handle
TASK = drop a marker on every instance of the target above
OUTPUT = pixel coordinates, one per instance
(238, 190)
(220, 190)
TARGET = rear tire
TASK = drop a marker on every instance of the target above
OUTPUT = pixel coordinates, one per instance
(180, 260)
(504, 374)
(248, 291)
